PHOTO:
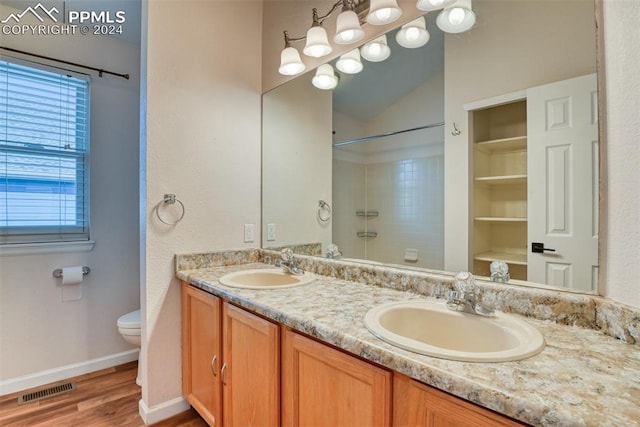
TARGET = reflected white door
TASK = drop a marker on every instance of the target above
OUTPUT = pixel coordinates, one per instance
(562, 151)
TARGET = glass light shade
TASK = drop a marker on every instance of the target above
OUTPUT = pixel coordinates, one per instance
(376, 50)
(414, 34)
(382, 12)
(290, 62)
(350, 63)
(317, 43)
(428, 5)
(348, 29)
(325, 78)
(457, 18)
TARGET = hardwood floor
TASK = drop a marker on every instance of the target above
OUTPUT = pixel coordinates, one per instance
(104, 398)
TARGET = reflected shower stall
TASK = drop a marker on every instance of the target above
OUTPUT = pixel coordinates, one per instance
(388, 193)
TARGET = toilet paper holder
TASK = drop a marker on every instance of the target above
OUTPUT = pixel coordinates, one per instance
(57, 273)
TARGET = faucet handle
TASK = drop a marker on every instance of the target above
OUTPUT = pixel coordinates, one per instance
(286, 254)
(465, 282)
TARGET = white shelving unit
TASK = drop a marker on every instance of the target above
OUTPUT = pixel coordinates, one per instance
(500, 188)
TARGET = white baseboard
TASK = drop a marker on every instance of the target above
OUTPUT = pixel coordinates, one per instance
(62, 373)
(162, 411)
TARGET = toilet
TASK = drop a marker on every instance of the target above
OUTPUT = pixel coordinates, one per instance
(129, 328)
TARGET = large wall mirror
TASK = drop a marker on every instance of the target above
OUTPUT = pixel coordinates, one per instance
(467, 150)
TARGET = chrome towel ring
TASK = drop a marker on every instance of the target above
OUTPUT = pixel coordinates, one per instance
(324, 211)
(170, 199)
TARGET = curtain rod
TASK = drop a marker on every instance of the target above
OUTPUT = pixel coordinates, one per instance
(384, 135)
(99, 70)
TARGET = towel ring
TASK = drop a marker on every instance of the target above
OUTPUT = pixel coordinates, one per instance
(169, 199)
(323, 207)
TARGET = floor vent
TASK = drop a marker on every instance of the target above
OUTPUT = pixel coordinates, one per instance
(46, 392)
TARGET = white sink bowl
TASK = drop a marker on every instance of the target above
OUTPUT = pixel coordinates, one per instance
(430, 328)
(265, 278)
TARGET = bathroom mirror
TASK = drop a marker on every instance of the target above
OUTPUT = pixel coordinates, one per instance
(448, 197)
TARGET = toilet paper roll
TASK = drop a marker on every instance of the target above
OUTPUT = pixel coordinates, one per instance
(71, 275)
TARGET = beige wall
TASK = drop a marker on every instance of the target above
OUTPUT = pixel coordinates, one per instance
(622, 227)
(484, 63)
(201, 141)
(296, 155)
(44, 339)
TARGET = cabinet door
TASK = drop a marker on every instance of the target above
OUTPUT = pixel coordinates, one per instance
(418, 405)
(201, 355)
(251, 370)
(322, 386)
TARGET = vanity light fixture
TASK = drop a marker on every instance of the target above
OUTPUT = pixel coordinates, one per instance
(350, 62)
(317, 41)
(290, 62)
(429, 5)
(348, 29)
(457, 18)
(325, 78)
(376, 50)
(414, 34)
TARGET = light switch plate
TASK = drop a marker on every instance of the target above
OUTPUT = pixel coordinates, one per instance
(271, 232)
(249, 233)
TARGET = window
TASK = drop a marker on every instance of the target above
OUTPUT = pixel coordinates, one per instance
(44, 154)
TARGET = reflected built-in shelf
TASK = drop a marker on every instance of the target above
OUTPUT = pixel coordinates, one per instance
(504, 144)
(499, 219)
(502, 179)
(508, 257)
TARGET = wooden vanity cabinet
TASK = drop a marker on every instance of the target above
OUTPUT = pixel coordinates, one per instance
(418, 405)
(231, 362)
(322, 386)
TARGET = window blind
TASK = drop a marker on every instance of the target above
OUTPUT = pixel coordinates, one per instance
(44, 154)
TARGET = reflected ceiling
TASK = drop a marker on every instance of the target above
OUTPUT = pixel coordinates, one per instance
(365, 95)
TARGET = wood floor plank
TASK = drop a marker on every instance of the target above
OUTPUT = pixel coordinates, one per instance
(104, 398)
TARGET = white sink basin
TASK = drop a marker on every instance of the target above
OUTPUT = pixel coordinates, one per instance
(430, 328)
(265, 278)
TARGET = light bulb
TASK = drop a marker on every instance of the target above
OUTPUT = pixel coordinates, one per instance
(412, 33)
(323, 81)
(325, 78)
(350, 66)
(376, 50)
(315, 51)
(350, 63)
(348, 35)
(383, 14)
(456, 16)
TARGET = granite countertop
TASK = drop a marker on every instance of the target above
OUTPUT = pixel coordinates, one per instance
(582, 377)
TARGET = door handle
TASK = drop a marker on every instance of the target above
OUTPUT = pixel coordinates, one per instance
(539, 248)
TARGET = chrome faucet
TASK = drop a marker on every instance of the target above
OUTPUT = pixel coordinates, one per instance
(288, 264)
(465, 298)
